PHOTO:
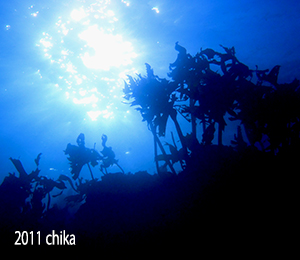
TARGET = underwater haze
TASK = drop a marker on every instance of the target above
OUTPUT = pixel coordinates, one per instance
(63, 64)
(181, 102)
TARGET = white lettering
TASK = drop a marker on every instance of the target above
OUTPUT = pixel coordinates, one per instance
(60, 239)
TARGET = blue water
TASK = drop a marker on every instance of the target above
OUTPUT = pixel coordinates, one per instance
(63, 64)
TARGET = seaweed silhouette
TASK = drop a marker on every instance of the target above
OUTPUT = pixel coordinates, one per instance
(205, 89)
(108, 158)
(79, 155)
(155, 102)
(210, 94)
(268, 111)
(24, 194)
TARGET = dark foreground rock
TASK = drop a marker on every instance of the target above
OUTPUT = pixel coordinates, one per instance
(223, 198)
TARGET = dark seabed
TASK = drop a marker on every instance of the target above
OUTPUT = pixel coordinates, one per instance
(149, 124)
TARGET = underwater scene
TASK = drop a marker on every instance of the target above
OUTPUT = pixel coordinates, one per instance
(149, 124)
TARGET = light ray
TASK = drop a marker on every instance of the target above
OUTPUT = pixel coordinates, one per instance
(89, 56)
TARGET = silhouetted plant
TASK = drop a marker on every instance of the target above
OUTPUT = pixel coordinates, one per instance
(268, 111)
(155, 100)
(79, 155)
(210, 94)
(132, 203)
(25, 194)
(108, 158)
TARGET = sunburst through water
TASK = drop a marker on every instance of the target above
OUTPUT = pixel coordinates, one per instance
(90, 57)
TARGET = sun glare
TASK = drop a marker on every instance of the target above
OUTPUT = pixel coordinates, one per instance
(109, 50)
(86, 100)
(78, 14)
(89, 55)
